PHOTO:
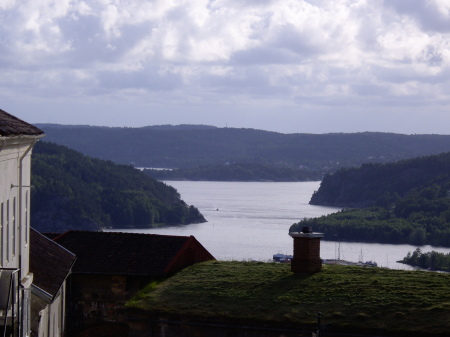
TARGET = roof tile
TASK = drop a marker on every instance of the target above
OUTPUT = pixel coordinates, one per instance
(124, 253)
(49, 262)
(13, 126)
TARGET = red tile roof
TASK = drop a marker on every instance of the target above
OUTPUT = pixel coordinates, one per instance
(131, 253)
(13, 126)
(49, 262)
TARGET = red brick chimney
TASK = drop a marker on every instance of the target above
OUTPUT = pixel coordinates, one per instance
(306, 251)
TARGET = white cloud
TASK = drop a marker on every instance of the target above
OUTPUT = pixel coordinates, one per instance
(319, 53)
(7, 4)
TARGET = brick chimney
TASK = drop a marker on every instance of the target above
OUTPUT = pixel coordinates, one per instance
(306, 251)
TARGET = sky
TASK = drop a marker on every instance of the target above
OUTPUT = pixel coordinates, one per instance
(290, 66)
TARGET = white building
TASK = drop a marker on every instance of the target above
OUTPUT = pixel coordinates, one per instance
(33, 269)
(17, 139)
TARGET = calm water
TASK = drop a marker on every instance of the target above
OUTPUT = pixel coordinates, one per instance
(251, 220)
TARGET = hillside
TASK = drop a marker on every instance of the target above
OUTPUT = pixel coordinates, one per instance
(192, 146)
(73, 191)
(236, 172)
(372, 184)
(406, 202)
(356, 300)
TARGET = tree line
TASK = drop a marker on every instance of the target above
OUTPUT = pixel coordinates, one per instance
(431, 260)
(236, 172)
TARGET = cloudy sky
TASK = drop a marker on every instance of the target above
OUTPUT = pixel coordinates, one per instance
(291, 66)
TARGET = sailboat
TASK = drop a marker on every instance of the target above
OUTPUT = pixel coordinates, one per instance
(367, 263)
(350, 263)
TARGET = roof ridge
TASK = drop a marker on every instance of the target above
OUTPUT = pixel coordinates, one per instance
(61, 235)
(53, 241)
(114, 232)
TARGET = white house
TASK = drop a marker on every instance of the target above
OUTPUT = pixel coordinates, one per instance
(17, 139)
(33, 268)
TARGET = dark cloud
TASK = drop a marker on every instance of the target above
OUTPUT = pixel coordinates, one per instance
(242, 81)
(149, 79)
(264, 55)
(426, 13)
(369, 89)
(402, 74)
(304, 43)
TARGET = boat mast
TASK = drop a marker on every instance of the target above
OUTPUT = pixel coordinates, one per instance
(361, 257)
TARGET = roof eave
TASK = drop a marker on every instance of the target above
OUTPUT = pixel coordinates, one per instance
(31, 137)
(41, 293)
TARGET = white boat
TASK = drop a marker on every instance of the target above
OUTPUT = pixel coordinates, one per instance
(282, 258)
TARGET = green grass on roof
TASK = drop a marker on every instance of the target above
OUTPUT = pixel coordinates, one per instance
(357, 299)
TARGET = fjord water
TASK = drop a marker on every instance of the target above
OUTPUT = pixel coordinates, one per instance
(251, 220)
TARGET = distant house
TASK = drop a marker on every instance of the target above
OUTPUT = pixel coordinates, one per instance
(50, 264)
(17, 139)
(111, 267)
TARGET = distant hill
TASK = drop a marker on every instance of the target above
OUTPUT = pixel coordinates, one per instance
(236, 172)
(73, 191)
(180, 127)
(188, 146)
(404, 202)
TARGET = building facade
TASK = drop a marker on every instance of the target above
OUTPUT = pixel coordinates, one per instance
(17, 139)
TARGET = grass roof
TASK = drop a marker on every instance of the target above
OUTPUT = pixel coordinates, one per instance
(354, 299)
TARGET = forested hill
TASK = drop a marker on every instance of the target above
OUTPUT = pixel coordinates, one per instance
(410, 203)
(188, 146)
(73, 191)
(381, 184)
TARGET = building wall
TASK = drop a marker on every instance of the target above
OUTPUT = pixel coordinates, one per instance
(8, 204)
(14, 205)
(15, 165)
(95, 299)
(48, 316)
(47, 321)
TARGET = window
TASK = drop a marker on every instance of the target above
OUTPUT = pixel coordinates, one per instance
(26, 218)
(14, 234)
(2, 220)
(7, 238)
